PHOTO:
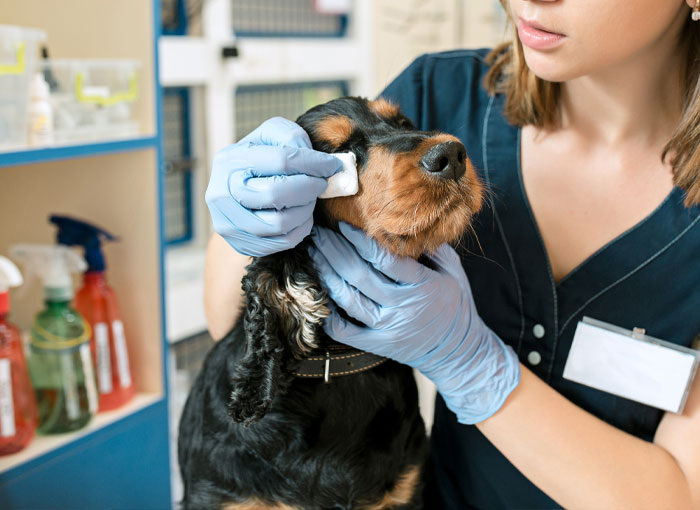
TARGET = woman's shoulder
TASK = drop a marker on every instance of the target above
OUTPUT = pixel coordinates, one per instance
(447, 92)
(436, 86)
(467, 57)
(471, 63)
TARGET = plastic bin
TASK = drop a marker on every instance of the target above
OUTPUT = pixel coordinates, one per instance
(19, 55)
(92, 99)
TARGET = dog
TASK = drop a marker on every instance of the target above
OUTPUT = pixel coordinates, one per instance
(281, 416)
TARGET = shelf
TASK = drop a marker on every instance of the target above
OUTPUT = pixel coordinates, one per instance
(47, 154)
(191, 61)
(42, 445)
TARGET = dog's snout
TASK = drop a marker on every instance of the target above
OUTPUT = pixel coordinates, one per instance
(446, 160)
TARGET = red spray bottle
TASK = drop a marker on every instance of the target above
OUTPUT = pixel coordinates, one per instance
(18, 413)
(97, 302)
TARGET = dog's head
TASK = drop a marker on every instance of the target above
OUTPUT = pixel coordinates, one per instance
(417, 190)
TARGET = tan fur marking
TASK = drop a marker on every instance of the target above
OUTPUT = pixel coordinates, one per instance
(255, 504)
(384, 108)
(403, 208)
(335, 130)
(401, 494)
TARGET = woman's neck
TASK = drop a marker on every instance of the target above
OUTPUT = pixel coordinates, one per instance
(637, 101)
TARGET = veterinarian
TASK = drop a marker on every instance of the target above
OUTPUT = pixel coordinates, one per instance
(585, 129)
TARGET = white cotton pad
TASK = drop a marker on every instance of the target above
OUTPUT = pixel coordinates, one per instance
(345, 182)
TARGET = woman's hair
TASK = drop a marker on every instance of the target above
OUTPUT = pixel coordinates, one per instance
(532, 100)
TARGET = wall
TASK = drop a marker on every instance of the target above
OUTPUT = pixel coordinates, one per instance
(405, 29)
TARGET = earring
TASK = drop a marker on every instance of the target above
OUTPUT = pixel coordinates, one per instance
(695, 16)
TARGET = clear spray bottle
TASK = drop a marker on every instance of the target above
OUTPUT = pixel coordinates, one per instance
(59, 361)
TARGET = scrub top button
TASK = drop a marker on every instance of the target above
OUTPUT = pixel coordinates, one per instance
(538, 330)
(534, 358)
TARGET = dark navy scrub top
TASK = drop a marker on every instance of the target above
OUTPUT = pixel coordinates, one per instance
(648, 277)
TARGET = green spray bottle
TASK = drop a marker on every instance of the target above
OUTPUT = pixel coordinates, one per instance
(59, 361)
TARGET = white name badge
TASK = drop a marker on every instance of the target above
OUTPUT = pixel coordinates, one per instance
(632, 365)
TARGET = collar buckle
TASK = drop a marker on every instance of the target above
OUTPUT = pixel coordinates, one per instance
(327, 368)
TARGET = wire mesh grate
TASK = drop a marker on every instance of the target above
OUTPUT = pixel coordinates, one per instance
(191, 352)
(178, 174)
(172, 17)
(257, 103)
(283, 18)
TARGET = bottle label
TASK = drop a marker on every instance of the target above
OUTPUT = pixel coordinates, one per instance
(122, 356)
(90, 387)
(7, 408)
(70, 386)
(104, 363)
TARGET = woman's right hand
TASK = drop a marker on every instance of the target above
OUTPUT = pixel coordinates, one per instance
(263, 189)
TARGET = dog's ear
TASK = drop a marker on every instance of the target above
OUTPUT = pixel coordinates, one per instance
(284, 312)
(256, 376)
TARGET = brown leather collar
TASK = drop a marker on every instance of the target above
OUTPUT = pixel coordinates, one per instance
(335, 361)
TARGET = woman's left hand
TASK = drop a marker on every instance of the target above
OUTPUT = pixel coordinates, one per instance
(420, 316)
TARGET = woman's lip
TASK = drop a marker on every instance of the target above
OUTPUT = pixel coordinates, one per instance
(537, 37)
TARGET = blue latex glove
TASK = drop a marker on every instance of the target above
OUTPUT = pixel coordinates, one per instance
(422, 317)
(263, 189)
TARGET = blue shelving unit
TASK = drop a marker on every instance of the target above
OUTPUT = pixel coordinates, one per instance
(122, 459)
(49, 154)
(118, 466)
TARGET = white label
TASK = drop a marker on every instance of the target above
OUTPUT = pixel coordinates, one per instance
(7, 408)
(89, 377)
(104, 362)
(70, 386)
(122, 356)
(645, 372)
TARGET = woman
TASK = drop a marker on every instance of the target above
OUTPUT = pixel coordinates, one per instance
(585, 128)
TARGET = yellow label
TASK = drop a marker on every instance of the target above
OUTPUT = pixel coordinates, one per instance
(18, 66)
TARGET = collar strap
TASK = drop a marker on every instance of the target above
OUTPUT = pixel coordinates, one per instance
(332, 364)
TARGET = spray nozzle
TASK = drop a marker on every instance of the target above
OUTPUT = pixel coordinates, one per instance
(9, 277)
(9, 274)
(75, 232)
(53, 264)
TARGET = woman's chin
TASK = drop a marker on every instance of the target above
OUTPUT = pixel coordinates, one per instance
(552, 67)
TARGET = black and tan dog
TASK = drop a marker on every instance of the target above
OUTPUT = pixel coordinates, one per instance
(281, 416)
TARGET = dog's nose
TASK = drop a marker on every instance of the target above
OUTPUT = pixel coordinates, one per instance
(446, 160)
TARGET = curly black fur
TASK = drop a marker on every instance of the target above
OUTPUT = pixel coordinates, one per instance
(263, 371)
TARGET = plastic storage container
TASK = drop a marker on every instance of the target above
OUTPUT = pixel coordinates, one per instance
(92, 99)
(19, 53)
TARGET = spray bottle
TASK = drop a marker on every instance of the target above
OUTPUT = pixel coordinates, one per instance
(18, 417)
(97, 302)
(60, 365)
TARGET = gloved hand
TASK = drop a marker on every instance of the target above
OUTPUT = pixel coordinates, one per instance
(422, 317)
(263, 189)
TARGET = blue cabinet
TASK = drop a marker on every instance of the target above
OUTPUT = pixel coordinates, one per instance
(121, 460)
(124, 465)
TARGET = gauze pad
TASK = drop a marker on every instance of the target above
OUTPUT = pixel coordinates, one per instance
(345, 182)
